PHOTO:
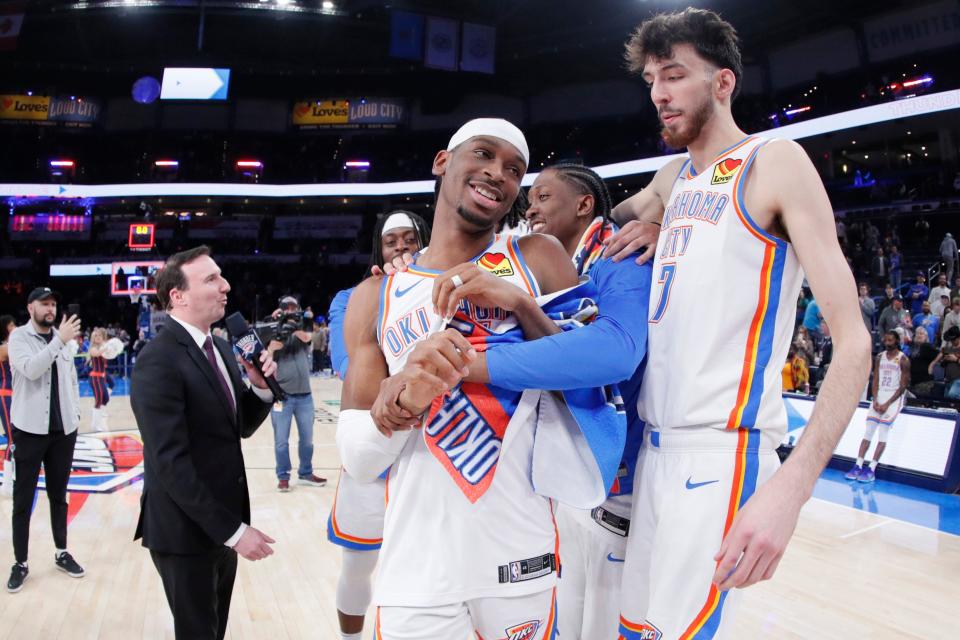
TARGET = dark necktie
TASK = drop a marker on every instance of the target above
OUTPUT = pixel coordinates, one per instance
(208, 349)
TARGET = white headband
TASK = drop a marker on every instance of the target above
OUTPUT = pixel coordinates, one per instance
(495, 128)
(397, 221)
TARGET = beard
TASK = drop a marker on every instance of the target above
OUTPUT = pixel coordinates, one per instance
(480, 223)
(43, 322)
(699, 117)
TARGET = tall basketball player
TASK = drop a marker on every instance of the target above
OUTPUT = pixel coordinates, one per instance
(356, 517)
(742, 219)
(468, 545)
(98, 379)
(891, 377)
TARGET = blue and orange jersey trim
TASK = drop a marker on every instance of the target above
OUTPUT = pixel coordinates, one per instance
(688, 172)
(384, 308)
(338, 537)
(746, 470)
(530, 283)
(759, 346)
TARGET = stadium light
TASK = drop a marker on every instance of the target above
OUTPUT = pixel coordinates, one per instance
(61, 163)
(166, 163)
(357, 164)
(249, 164)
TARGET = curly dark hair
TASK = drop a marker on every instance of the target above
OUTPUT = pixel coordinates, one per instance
(713, 38)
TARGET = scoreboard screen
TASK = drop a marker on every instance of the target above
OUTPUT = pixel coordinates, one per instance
(141, 236)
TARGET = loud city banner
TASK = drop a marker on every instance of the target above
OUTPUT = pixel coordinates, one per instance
(102, 463)
(72, 111)
(350, 113)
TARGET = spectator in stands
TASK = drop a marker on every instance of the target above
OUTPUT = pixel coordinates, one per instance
(878, 267)
(812, 317)
(955, 293)
(940, 290)
(889, 293)
(871, 237)
(895, 267)
(922, 355)
(918, 293)
(867, 306)
(948, 254)
(949, 358)
(940, 307)
(951, 318)
(796, 376)
(803, 344)
(841, 232)
(892, 317)
(802, 303)
(927, 320)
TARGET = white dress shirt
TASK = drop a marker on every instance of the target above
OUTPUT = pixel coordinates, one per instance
(264, 394)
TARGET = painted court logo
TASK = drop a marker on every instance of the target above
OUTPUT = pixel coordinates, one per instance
(525, 631)
(497, 264)
(724, 171)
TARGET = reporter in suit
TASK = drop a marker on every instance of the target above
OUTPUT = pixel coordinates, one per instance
(192, 408)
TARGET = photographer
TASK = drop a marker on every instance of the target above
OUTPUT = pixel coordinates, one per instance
(290, 346)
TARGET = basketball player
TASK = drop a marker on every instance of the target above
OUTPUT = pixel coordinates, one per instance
(571, 202)
(98, 381)
(356, 518)
(891, 377)
(742, 219)
(464, 550)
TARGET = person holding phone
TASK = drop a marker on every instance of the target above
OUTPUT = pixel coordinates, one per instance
(45, 413)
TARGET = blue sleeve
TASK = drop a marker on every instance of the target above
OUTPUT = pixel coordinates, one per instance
(338, 348)
(606, 351)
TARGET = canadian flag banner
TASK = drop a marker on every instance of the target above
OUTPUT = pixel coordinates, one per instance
(11, 19)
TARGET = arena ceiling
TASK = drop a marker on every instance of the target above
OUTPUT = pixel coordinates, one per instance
(98, 45)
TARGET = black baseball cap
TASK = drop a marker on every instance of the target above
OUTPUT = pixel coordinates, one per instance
(42, 293)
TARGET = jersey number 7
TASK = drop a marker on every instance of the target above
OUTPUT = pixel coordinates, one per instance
(668, 274)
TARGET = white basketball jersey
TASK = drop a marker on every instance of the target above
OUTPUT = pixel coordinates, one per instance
(722, 306)
(890, 373)
(462, 518)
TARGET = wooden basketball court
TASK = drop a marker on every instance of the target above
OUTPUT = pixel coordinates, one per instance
(847, 572)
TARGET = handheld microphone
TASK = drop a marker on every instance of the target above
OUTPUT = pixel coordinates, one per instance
(246, 339)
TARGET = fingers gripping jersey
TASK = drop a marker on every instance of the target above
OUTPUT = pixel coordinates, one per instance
(721, 307)
(462, 518)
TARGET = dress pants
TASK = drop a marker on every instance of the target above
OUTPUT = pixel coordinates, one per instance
(198, 589)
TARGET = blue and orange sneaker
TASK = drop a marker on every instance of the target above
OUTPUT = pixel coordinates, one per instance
(867, 475)
(854, 474)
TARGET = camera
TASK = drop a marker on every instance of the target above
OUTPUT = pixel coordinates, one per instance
(283, 326)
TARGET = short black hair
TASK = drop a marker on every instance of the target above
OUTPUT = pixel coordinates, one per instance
(712, 37)
(171, 276)
(896, 336)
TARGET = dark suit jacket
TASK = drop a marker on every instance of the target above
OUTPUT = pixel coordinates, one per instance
(194, 482)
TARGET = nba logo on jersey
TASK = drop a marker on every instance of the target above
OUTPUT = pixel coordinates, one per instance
(724, 170)
(496, 263)
(523, 631)
(464, 432)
